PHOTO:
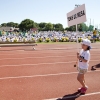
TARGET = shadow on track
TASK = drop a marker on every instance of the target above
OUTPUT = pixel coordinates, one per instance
(95, 67)
(70, 96)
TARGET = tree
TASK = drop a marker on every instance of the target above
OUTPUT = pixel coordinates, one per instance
(42, 26)
(36, 25)
(58, 27)
(16, 25)
(26, 24)
(67, 28)
(4, 24)
(90, 28)
(49, 27)
(72, 28)
(12, 24)
(87, 28)
(82, 27)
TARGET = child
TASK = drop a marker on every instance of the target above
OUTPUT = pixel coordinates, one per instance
(83, 63)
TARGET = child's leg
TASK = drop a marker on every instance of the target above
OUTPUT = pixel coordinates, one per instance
(84, 79)
(81, 79)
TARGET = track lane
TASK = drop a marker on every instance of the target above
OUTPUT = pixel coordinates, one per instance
(45, 87)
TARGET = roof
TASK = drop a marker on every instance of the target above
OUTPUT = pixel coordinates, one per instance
(33, 29)
(8, 28)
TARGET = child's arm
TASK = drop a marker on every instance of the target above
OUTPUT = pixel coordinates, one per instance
(83, 60)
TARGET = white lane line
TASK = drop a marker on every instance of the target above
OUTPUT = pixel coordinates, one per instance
(43, 64)
(24, 52)
(37, 57)
(42, 57)
(91, 94)
(69, 97)
(32, 53)
(39, 64)
(45, 75)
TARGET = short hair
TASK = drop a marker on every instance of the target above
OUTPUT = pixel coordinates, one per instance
(88, 48)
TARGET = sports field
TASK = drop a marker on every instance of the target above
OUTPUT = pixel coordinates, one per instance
(47, 73)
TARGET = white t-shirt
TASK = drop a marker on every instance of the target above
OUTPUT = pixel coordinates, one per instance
(85, 55)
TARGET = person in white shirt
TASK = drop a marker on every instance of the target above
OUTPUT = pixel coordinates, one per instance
(83, 64)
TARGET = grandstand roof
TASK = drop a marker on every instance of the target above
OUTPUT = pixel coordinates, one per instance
(8, 29)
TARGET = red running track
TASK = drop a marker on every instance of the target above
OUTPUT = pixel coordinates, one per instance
(45, 73)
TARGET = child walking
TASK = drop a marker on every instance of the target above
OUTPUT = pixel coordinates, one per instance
(83, 64)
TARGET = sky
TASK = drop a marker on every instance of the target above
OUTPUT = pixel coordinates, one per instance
(53, 11)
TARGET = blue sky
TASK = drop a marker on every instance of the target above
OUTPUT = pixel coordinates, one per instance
(53, 11)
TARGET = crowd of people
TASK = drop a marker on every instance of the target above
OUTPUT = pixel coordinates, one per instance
(43, 35)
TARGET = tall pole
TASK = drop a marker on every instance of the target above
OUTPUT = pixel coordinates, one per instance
(93, 23)
(77, 40)
(76, 33)
(97, 26)
(90, 21)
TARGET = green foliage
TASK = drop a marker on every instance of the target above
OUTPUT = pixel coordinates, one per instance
(90, 28)
(58, 27)
(49, 27)
(4, 24)
(26, 24)
(66, 28)
(10, 24)
(72, 28)
(81, 27)
(36, 25)
(42, 26)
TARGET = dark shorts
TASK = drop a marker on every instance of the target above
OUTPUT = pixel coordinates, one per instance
(94, 36)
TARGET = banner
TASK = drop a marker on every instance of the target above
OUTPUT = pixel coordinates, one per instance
(76, 16)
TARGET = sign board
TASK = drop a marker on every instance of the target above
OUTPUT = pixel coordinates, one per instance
(77, 16)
